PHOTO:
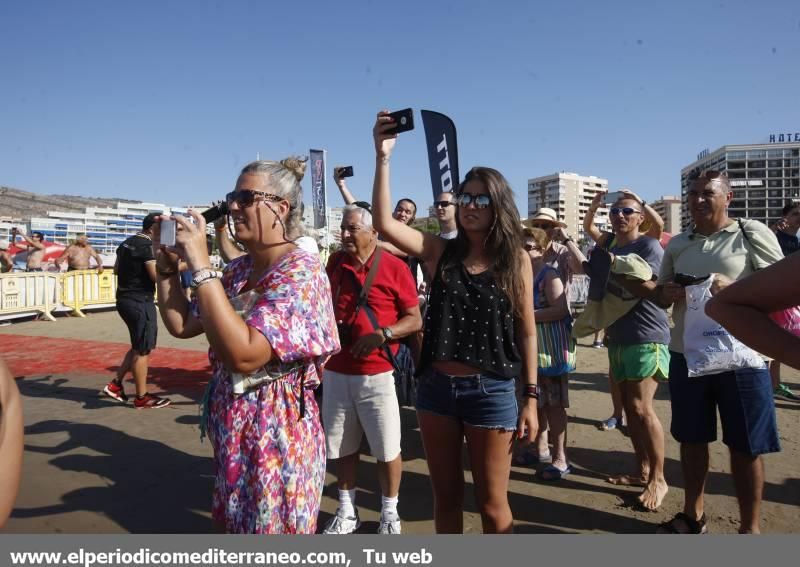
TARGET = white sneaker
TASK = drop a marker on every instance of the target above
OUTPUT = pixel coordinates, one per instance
(390, 526)
(341, 525)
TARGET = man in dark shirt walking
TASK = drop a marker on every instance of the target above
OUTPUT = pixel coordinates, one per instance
(136, 271)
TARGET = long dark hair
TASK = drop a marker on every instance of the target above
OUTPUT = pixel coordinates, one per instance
(504, 241)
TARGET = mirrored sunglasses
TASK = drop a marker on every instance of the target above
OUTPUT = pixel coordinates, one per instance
(627, 211)
(478, 201)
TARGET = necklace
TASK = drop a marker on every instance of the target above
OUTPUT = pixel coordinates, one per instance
(476, 267)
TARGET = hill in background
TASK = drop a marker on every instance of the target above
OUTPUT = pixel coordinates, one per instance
(24, 204)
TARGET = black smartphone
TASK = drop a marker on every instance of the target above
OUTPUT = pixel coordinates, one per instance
(343, 171)
(689, 279)
(404, 120)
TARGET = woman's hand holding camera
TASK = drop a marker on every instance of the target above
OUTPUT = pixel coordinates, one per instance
(190, 240)
(384, 143)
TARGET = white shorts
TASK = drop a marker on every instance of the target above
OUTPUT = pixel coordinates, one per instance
(356, 404)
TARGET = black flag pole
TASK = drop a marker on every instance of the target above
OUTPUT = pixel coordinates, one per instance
(440, 139)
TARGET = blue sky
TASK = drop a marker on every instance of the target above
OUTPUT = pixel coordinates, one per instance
(166, 100)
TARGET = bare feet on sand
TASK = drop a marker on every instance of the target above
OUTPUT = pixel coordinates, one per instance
(627, 480)
(653, 494)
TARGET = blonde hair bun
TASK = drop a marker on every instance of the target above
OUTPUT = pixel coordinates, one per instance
(296, 165)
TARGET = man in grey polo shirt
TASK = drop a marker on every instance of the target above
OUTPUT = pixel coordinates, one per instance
(717, 244)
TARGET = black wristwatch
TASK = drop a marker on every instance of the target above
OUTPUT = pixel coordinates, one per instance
(387, 333)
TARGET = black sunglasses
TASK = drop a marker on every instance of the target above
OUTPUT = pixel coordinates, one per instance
(627, 211)
(246, 198)
(708, 174)
(531, 247)
(479, 201)
(442, 204)
(363, 205)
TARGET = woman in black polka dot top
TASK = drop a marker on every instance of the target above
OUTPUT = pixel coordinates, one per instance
(480, 340)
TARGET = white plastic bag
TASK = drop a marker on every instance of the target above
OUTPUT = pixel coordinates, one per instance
(708, 347)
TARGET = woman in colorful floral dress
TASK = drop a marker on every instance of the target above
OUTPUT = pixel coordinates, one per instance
(270, 326)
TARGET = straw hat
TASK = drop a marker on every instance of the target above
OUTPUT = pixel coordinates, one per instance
(545, 214)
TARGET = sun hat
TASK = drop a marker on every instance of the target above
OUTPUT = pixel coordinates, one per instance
(545, 214)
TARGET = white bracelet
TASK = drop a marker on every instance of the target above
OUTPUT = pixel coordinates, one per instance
(205, 281)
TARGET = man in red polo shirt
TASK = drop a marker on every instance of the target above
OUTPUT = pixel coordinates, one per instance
(359, 394)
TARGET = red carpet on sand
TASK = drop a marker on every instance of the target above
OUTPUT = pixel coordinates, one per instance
(29, 356)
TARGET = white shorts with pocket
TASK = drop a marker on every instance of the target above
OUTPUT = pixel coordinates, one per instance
(355, 404)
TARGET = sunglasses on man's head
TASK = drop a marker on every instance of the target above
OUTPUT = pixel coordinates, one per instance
(479, 201)
(442, 204)
(363, 205)
(627, 211)
(708, 174)
(246, 198)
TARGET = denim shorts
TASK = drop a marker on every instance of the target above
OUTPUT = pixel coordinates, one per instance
(745, 402)
(478, 400)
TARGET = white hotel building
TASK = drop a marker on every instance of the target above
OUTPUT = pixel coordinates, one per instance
(764, 177)
(570, 195)
(107, 227)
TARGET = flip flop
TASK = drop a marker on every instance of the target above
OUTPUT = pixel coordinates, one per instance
(552, 473)
(609, 424)
(528, 458)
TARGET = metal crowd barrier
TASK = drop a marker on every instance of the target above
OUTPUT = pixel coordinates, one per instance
(83, 289)
(41, 293)
(29, 293)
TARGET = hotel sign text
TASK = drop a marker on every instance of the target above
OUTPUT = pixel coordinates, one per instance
(788, 137)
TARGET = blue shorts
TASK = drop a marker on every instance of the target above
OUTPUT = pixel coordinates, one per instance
(745, 402)
(478, 400)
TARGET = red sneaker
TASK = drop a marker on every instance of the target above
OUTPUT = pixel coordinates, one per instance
(150, 401)
(115, 390)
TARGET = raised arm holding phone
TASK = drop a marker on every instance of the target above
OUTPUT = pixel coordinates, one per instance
(485, 261)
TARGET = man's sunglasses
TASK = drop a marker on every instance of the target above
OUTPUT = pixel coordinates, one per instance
(708, 174)
(363, 205)
(442, 204)
(479, 201)
(246, 198)
(627, 211)
(531, 248)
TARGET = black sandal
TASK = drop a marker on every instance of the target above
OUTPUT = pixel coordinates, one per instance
(695, 526)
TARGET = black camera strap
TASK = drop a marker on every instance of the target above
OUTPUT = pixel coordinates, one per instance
(363, 302)
(749, 242)
(385, 347)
